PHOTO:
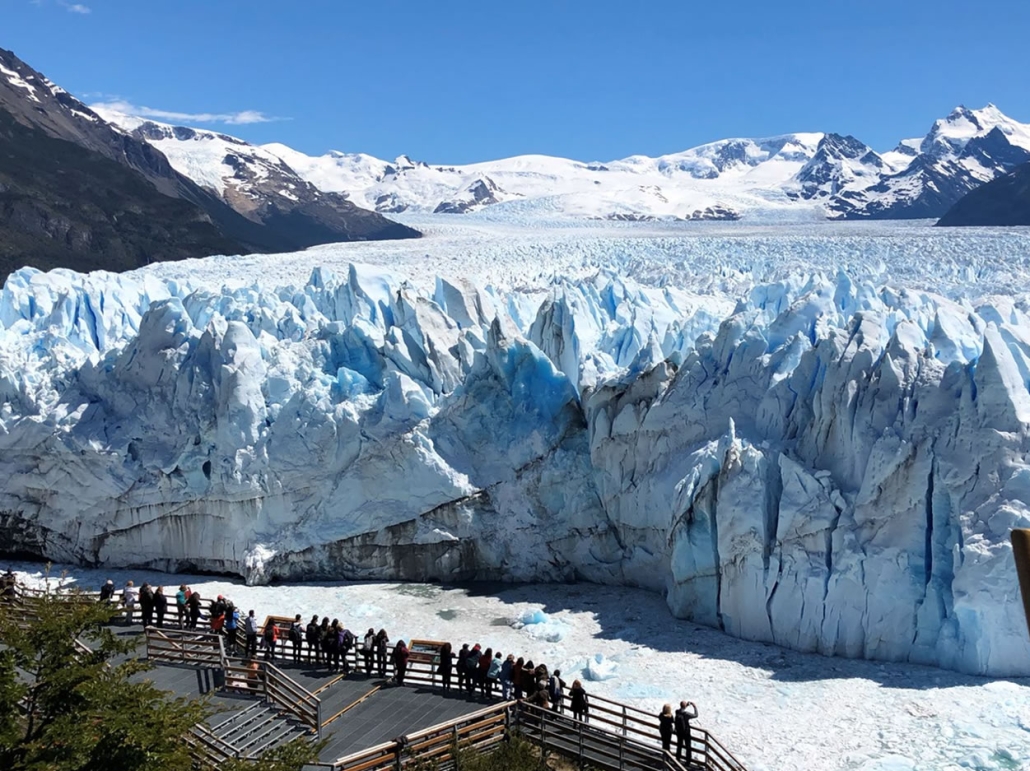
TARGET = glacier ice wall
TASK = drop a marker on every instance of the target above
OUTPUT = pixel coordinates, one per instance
(829, 465)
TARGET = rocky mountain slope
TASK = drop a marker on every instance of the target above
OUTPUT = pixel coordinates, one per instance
(1002, 201)
(259, 185)
(77, 192)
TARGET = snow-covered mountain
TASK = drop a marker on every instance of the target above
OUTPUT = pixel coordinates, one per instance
(256, 183)
(721, 180)
(960, 153)
(795, 175)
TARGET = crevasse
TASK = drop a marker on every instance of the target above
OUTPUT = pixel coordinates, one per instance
(828, 464)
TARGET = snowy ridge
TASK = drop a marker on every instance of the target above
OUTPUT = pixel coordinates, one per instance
(794, 176)
(800, 176)
(829, 464)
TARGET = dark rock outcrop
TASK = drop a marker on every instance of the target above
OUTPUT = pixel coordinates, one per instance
(1004, 201)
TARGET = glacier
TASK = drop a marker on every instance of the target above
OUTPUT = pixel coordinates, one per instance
(827, 462)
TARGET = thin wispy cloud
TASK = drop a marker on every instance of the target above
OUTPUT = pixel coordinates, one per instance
(77, 8)
(229, 118)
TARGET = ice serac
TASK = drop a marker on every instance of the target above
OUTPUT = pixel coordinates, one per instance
(827, 464)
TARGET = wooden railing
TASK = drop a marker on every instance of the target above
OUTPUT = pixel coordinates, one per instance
(207, 749)
(260, 678)
(587, 745)
(184, 646)
(481, 731)
(290, 696)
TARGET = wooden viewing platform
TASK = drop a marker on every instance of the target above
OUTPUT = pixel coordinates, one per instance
(369, 723)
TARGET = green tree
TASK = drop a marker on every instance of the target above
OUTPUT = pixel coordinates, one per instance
(68, 699)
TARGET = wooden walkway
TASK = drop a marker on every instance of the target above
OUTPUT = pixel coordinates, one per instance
(369, 723)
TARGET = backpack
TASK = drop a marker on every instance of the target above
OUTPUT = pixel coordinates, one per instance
(347, 640)
(270, 632)
(553, 688)
(295, 634)
(472, 662)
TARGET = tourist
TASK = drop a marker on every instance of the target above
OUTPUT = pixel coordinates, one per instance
(556, 691)
(296, 635)
(180, 605)
(216, 619)
(324, 639)
(382, 643)
(665, 724)
(146, 604)
(463, 656)
(333, 645)
(516, 677)
(193, 603)
(251, 630)
(528, 679)
(368, 650)
(472, 669)
(483, 670)
(346, 643)
(10, 586)
(400, 661)
(578, 701)
(271, 639)
(232, 627)
(313, 637)
(446, 666)
(686, 713)
(493, 674)
(129, 600)
(506, 677)
(160, 605)
(107, 591)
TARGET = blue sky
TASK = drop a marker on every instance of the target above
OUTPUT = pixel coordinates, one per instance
(453, 81)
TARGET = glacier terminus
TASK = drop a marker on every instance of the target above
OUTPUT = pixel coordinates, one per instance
(823, 458)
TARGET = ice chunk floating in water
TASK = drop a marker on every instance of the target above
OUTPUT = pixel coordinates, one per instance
(828, 463)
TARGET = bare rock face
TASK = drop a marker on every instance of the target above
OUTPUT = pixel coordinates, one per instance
(1003, 202)
(717, 213)
(477, 194)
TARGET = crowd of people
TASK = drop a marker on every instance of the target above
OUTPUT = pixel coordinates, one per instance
(332, 645)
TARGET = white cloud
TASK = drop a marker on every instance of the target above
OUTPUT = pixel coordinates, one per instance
(78, 8)
(231, 118)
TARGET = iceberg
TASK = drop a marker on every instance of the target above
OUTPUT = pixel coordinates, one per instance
(828, 463)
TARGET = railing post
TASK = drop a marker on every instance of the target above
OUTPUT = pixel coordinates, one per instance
(580, 722)
(623, 719)
(543, 734)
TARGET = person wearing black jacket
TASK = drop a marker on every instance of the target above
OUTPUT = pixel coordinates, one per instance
(193, 605)
(578, 699)
(146, 604)
(463, 655)
(400, 661)
(160, 605)
(665, 723)
(686, 713)
(382, 643)
(107, 591)
(446, 666)
(314, 637)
